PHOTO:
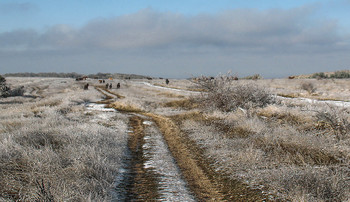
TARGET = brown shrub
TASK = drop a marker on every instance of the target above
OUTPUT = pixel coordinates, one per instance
(225, 94)
(309, 87)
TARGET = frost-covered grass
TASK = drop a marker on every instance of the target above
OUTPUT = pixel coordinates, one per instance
(292, 148)
(296, 150)
(52, 147)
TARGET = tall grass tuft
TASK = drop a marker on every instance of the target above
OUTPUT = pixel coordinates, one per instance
(337, 119)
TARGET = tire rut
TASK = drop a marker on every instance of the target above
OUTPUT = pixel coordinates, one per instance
(142, 183)
(204, 182)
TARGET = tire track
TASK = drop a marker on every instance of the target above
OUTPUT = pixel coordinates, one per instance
(203, 181)
(142, 184)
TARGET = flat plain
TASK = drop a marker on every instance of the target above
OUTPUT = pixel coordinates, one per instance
(190, 140)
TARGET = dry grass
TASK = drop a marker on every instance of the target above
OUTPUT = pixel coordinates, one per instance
(170, 95)
(195, 176)
(261, 145)
(296, 153)
(225, 94)
(196, 170)
(123, 107)
(288, 116)
(254, 155)
(51, 150)
(336, 119)
(184, 104)
(271, 143)
(289, 149)
(114, 93)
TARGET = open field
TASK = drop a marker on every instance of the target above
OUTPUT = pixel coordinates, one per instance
(224, 140)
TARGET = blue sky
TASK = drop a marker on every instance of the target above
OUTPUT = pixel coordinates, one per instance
(175, 38)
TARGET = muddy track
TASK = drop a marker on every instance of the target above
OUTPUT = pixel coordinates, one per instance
(142, 184)
(204, 182)
(202, 179)
(109, 96)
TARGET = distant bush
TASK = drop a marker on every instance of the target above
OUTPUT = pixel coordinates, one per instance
(2, 80)
(45, 74)
(341, 75)
(253, 77)
(319, 75)
(98, 75)
(336, 75)
(6, 91)
(309, 87)
(225, 94)
(17, 91)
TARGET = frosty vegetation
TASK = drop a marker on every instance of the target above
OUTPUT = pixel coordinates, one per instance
(296, 150)
(5, 90)
(254, 131)
(52, 148)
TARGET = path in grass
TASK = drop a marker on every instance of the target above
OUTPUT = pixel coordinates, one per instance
(163, 164)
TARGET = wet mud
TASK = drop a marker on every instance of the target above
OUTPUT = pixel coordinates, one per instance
(149, 172)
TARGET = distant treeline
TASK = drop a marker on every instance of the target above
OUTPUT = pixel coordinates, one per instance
(44, 74)
(335, 75)
(76, 75)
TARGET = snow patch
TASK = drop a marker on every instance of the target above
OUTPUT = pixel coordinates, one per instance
(313, 101)
(98, 107)
(147, 123)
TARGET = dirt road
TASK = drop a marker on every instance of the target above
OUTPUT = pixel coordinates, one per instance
(162, 163)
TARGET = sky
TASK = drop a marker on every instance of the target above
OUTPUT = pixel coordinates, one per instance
(175, 39)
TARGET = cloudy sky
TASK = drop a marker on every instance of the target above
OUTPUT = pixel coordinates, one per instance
(176, 39)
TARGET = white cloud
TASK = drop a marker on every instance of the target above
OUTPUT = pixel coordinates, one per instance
(160, 38)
